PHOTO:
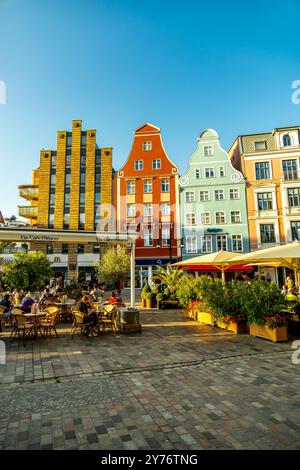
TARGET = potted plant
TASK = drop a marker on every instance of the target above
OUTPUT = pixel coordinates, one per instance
(159, 299)
(227, 303)
(150, 300)
(145, 290)
(264, 306)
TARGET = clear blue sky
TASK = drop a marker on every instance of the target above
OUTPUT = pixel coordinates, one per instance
(115, 64)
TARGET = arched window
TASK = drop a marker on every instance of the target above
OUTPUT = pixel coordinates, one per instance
(286, 140)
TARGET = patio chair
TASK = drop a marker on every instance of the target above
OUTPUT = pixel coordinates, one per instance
(50, 310)
(108, 320)
(3, 310)
(48, 324)
(22, 327)
(79, 325)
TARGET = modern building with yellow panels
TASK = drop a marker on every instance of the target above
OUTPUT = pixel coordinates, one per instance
(71, 190)
(270, 163)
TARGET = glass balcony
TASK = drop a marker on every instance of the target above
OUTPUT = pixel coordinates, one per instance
(29, 191)
(29, 212)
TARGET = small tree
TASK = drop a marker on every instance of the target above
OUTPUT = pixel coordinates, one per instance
(114, 266)
(3, 245)
(27, 271)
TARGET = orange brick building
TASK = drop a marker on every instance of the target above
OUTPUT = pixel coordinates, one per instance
(148, 202)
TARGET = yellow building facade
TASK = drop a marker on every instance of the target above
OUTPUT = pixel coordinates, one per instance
(71, 190)
(270, 163)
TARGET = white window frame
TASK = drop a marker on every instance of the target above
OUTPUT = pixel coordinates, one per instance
(164, 205)
(195, 241)
(132, 182)
(240, 215)
(127, 212)
(165, 229)
(202, 218)
(206, 191)
(149, 184)
(270, 168)
(138, 165)
(147, 145)
(276, 235)
(197, 171)
(193, 216)
(149, 232)
(148, 205)
(204, 240)
(242, 242)
(210, 168)
(220, 212)
(234, 198)
(193, 196)
(224, 171)
(222, 192)
(226, 238)
(210, 152)
(166, 183)
(156, 166)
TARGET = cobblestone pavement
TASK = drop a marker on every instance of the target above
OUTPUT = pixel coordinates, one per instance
(178, 385)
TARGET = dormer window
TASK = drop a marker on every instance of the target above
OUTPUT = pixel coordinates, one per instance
(147, 145)
(260, 145)
(286, 140)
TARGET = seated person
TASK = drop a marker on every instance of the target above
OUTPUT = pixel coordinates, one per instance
(45, 296)
(119, 297)
(27, 303)
(291, 296)
(93, 296)
(85, 306)
(8, 304)
(112, 300)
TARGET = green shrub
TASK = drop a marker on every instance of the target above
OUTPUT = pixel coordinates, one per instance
(145, 290)
(264, 304)
(160, 297)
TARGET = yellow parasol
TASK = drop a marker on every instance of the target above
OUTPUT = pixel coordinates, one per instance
(220, 259)
(286, 255)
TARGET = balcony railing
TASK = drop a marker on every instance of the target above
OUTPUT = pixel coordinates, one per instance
(29, 212)
(30, 192)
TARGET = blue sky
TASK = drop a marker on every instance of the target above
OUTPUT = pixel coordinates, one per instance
(116, 64)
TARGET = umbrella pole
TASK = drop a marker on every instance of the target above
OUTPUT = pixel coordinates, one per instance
(223, 274)
(297, 277)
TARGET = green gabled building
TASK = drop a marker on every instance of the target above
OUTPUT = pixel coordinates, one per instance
(213, 201)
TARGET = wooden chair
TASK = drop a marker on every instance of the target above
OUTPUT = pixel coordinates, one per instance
(79, 325)
(3, 310)
(50, 310)
(22, 327)
(108, 320)
(48, 324)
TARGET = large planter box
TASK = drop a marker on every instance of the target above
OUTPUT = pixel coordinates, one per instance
(164, 304)
(238, 328)
(204, 317)
(275, 335)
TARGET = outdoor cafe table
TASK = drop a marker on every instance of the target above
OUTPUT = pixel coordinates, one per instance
(63, 307)
(35, 317)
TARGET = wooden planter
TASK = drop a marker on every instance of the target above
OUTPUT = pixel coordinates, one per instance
(150, 303)
(204, 317)
(275, 335)
(238, 328)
